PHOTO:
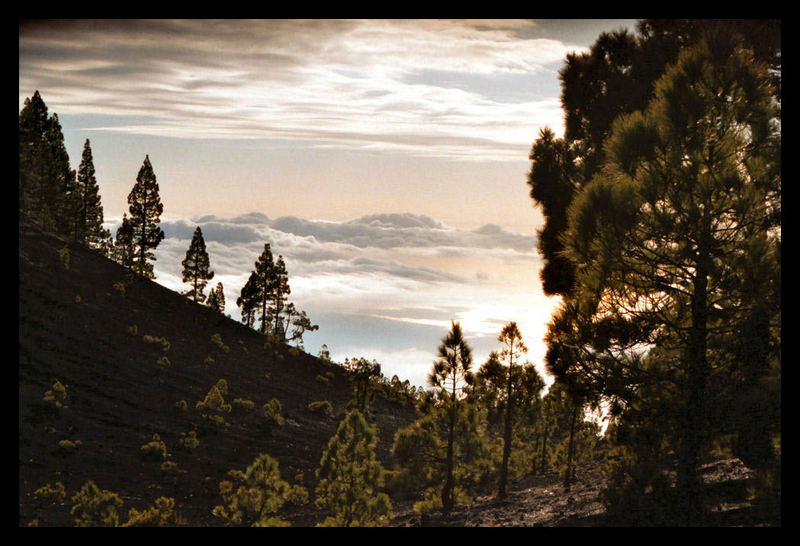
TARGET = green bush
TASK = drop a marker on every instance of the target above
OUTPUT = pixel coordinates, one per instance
(181, 405)
(272, 410)
(321, 407)
(93, 507)
(216, 339)
(161, 514)
(189, 440)
(165, 345)
(243, 404)
(154, 450)
(322, 379)
(63, 255)
(51, 493)
(163, 362)
(213, 405)
(67, 447)
(133, 329)
(255, 496)
(57, 394)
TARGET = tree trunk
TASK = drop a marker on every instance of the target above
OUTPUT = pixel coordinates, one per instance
(448, 497)
(693, 425)
(502, 488)
(571, 447)
(544, 451)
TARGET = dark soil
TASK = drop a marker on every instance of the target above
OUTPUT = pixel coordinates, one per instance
(74, 328)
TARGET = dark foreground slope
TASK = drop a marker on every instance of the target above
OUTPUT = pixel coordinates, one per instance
(84, 324)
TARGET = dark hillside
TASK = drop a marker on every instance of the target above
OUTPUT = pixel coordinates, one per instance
(83, 321)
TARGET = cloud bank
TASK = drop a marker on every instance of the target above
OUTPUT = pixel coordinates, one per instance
(382, 286)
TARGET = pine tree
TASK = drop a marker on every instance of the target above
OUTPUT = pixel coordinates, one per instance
(450, 375)
(124, 247)
(265, 278)
(248, 300)
(255, 496)
(216, 299)
(46, 182)
(350, 477)
(508, 390)
(279, 296)
(89, 220)
(684, 211)
(196, 267)
(513, 348)
(145, 209)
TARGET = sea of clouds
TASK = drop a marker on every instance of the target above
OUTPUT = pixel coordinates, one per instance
(382, 286)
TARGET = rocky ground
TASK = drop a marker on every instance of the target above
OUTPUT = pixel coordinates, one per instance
(542, 501)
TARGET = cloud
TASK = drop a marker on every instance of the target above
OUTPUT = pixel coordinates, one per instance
(368, 85)
(382, 286)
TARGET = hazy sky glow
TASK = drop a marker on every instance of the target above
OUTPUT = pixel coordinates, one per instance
(385, 160)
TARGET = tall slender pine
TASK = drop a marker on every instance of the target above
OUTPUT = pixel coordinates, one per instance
(89, 219)
(145, 208)
(196, 267)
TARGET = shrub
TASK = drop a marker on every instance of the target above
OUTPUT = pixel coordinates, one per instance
(57, 394)
(322, 379)
(214, 403)
(272, 410)
(68, 446)
(63, 255)
(168, 466)
(163, 362)
(181, 405)
(78, 298)
(244, 404)
(257, 494)
(209, 360)
(189, 440)
(161, 514)
(216, 339)
(321, 407)
(119, 287)
(165, 345)
(133, 329)
(155, 449)
(50, 493)
(93, 507)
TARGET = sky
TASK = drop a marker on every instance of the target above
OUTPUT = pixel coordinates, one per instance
(385, 160)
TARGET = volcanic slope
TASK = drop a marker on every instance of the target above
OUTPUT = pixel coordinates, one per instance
(87, 323)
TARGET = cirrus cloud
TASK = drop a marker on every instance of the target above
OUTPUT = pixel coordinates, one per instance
(398, 86)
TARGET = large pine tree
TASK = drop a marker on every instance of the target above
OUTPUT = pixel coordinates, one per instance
(46, 182)
(89, 220)
(670, 236)
(196, 265)
(145, 209)
(265, 279)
